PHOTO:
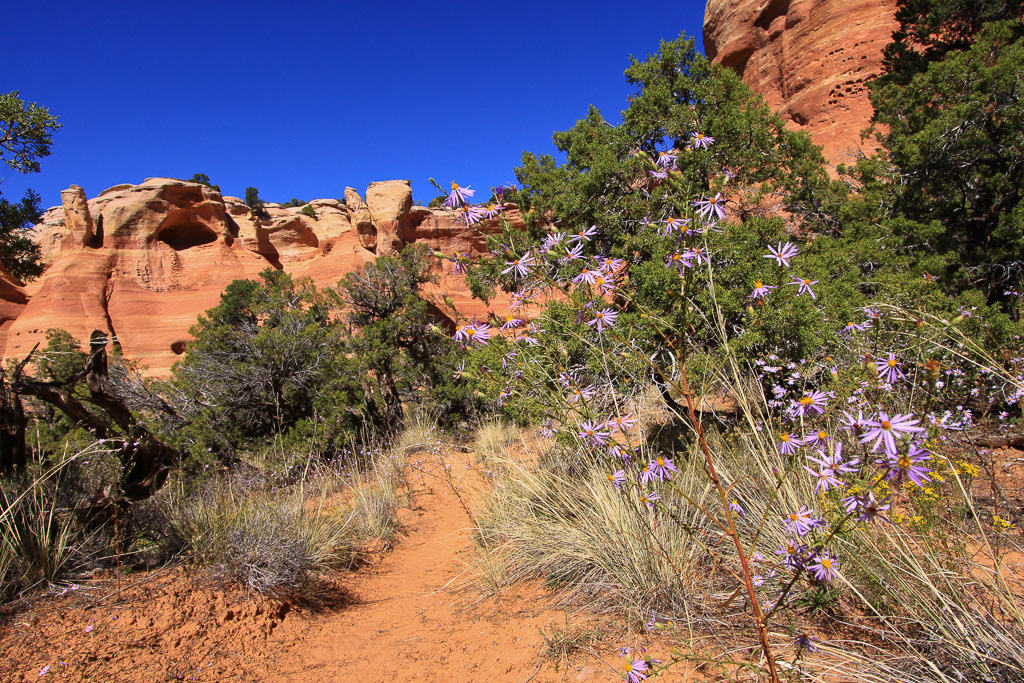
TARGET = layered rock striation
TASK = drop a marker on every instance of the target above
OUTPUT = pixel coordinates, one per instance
(142, 262)
(809, 59)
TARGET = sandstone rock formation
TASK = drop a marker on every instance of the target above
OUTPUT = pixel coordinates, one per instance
(809, 59)
(141, 262)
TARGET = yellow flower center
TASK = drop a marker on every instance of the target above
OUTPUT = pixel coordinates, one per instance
(886, 425)
(785, 437)
(455, 186)
(822, 435)
(904, 462)
(807, 400)
(661, 462)
(807, 282)
(826, 563)
(892, 362)
(758, 284)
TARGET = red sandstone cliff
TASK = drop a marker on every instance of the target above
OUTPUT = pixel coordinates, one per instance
(809, 59)
(143, 261)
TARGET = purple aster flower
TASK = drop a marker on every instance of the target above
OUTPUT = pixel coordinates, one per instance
(649, 499)
(819, 439)
(584, 234)
(587, 275)
(593, 433)
(788, 444)
(519, 267)
(458, 196)
(885, 429)
(791, 553)
(618, 478)
(874, 315)
(699, 254)
(679, 261)
(835, 461)
(604, 318)
(814, 402)
(459, 369)
(824, 568)
(605, 283)
(890, 370)
(635, 670)
(699, 140)
(941, 422)
(511, 322)
(804, 286)
(621, 423)
(901, 466)
(573, 253)
(825, 478)
(666, 159)
(856, 425)
(805, 642)
(782, 253)
(586, 393)
(761, 290)
(866, 507)
(623, 453)
(470, 215)
(672, 225)
(492, 211)
(551, 241)
(800, 522)
(851, 328)
(737, 508)
(473, 332)
(461, 259)
(660, 174)
(661, 468)
(710, 206)
(612, 265)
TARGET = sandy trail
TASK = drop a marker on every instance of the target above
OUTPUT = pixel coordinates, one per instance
(416, 617)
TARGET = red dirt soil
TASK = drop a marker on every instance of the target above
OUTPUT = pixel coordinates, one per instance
(413, 615)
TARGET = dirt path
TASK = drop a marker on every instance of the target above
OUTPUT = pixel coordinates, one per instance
(416, 617)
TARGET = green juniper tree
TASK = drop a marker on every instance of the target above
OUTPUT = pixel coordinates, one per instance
(26, 133)
(952, 160)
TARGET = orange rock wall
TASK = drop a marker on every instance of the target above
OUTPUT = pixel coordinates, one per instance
(809, 59)
(144, 261)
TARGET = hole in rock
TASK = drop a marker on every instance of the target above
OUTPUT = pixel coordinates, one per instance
(178, 347)
(180, 237)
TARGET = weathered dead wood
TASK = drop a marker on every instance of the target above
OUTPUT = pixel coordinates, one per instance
(146, 459)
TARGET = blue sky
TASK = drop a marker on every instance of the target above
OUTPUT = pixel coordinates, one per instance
(301, 99)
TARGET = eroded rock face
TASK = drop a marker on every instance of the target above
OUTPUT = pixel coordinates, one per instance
(809, 59)
(142, 262)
